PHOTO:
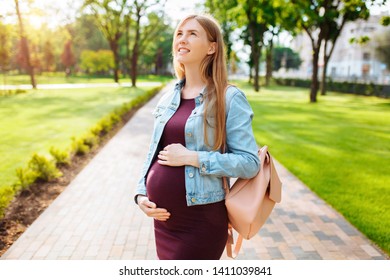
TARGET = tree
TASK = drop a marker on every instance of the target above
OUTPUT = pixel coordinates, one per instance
(323, 21)
(269, 54)
(5, 47)
(254, 17)
(310, 19)
(221, 10)
(282, 20)
(24, 46)
(67, 57)
(86, 35)
(49, 57)
(284, 57)
(342, 12)
(109, 15)
(155, 55)
(263, 17)
(140, 8)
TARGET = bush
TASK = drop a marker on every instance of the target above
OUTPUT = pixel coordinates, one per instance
(26, 177)
(6, 196)
(12, 92)
(343, 87)
(91, 140)
(62, 158)
(97, 129)
(79, 147)
(44, 168)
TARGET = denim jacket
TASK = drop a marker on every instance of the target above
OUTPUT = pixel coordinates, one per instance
(204, 184)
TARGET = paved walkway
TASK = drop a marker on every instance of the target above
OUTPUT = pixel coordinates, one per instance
(95, 217)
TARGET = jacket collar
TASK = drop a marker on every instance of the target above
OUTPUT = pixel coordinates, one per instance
(180, 84)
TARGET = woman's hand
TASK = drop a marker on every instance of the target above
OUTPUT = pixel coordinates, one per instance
(177, 155)
(151, 210)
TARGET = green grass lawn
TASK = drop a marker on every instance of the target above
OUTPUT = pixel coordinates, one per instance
(37, 120)
(59, 78)
(339, 147)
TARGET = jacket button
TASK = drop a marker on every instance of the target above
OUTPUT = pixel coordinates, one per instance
(193, 199)
(189, 134)
(203, 169)
(191, 175)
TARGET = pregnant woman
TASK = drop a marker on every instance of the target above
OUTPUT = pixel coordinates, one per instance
(181, 184)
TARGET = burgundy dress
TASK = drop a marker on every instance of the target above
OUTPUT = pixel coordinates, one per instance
(192, 232)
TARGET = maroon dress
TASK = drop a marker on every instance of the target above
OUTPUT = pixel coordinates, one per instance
(192, 232)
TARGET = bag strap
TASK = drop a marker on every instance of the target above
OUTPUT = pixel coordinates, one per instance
(233, 254)
(230, 241)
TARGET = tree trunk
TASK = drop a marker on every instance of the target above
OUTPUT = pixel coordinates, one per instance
(134, 58)
(323, 78)
(24, 46)
(268, 75)
(256, 65)
(127, 39)
(114, 49)
(314, 78)
(255, 52)
(323, 81)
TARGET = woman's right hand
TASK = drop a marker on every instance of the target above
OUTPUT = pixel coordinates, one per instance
(151, 210)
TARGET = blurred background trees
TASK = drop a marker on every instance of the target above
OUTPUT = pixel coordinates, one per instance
(125, 38)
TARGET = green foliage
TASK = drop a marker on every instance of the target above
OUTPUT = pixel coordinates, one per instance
(11, 92)
(6, 196)
(44, 168)
(385, 21)
(79, 147)
(26, 177)
(97, 61)
(155, 54)
(6, 35)
(342, 87)
(108, 122)
(359, 40)
(382, 50)
(285, 57)
(61, 157)
(88, 35)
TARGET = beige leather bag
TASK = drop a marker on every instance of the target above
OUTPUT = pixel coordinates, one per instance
(249, 202)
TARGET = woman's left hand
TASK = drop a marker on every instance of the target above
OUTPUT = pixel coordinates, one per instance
(177, 155)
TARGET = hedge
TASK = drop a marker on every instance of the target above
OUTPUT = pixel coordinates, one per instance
(369, 89)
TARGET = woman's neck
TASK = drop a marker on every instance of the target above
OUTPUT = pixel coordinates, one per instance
(194, 84)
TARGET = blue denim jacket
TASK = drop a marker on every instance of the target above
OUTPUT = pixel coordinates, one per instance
(204, 184)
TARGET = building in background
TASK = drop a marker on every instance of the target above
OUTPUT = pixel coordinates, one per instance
(350, 61)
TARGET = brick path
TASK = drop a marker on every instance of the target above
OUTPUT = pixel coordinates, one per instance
(95, 217)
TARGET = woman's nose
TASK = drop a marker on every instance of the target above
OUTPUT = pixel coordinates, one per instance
(183, 40)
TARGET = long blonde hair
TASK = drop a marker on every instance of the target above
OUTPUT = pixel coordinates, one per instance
(214, 74)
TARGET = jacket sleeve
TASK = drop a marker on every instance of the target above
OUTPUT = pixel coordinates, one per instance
(241, 159)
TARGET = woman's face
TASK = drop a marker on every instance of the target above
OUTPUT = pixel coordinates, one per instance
(191, 45)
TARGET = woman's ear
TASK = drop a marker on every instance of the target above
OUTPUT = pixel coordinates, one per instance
(212, 48)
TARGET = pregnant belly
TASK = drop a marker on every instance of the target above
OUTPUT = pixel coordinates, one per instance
(166, 186)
